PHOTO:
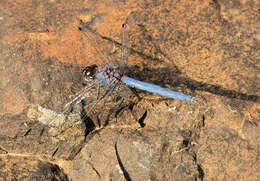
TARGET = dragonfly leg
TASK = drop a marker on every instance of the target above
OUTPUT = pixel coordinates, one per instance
(100, 99)
(78, 98)
(133, 90)
(135, 93)
(98, 91)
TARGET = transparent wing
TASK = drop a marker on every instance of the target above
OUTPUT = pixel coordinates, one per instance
(92, 37)
(100, 99)
(124, 48)
(78, 98)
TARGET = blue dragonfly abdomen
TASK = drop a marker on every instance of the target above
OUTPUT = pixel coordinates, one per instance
(149, 87)
(110, 77)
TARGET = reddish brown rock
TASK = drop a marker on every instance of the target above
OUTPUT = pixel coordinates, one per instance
(208, 49)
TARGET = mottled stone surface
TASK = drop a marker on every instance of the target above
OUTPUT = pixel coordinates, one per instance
(208, 49)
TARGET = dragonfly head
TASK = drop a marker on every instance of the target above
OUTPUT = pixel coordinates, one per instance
(89, 72)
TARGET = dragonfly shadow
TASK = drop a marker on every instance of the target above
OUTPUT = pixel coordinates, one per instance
(169, 77)
(87, 27)
(218, 90)
(89, 124)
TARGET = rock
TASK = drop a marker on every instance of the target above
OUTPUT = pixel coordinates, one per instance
(207, 49)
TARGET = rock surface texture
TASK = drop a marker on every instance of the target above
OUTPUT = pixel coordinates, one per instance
(208, 49)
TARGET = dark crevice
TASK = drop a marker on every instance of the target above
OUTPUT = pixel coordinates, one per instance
(203, 121)
(126, 174)
(141, 120)
(199, 168)
(75, 151)
(95, 170)
(48, 171)
(42, 131)
(55, 151)
(201, 172)
(185, 143)
(89, 124)
(131, 106)
(27, 132)
(98, 174)
(3, 150)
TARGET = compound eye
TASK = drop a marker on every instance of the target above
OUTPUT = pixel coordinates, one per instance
(89, 72)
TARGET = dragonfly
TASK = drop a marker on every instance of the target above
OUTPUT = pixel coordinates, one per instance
(113, 75)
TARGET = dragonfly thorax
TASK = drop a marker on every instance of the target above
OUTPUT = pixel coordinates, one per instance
(108, 76)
